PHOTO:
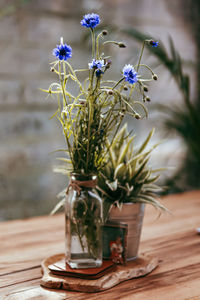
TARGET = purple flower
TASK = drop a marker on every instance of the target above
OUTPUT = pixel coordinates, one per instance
(96, 64)
(130, 74)
(62, 51)
(90, 20)
(153, 43)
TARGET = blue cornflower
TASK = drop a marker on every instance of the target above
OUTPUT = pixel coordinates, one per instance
(62, 51)
(99, 72)
(96, 64)
(130, 74)
(153, 43)
(90, 20)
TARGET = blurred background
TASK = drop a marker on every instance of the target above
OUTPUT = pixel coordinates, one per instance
(29, 30)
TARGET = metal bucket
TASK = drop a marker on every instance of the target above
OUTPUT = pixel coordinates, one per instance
(131, 214)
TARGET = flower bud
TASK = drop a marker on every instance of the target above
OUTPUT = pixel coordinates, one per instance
(108, 64)
(125, 88)
(137, 116)
(148, 99)
(121, 45)
(52, 70)
(121, 114)
(153, 43)
(110, 92)
(104, 32)
(145, 88)
(155, 77)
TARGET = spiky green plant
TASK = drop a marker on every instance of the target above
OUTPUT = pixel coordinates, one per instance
(127, 177)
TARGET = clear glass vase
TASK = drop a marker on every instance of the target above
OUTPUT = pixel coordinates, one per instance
(83, 214)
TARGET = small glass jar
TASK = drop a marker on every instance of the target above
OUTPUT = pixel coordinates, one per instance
(83, 214)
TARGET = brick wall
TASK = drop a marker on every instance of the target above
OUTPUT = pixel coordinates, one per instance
(28, 34)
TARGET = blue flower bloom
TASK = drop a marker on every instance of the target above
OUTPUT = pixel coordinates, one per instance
(98, 73)
(154, 43)
(62, 51)
(90, 20)
(130, 74)
(96, 64)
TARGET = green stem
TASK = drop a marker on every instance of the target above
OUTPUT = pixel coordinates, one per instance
(90, 117)
(74, 74)
(93, 43)
(65, 102)
(116, 131)
(141, 53)
(79, 236)
(132, 89)
(62, 86)
(118, 83)
(97, 45)
(143, 65)
(91, 81)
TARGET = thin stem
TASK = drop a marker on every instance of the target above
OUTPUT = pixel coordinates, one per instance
(128, 105)
(93, 43)
(118, 83)
(116, 131)
(132, 89)
(91, 81)
(62, 86)
(111, 42)
(90, 117)
(141, 53)
(97, 45)
(79, 236)
(74, 74)
(108, 42)
(143, 65)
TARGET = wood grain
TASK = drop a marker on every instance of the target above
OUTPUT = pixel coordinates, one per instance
(171, 238)
(142, 266)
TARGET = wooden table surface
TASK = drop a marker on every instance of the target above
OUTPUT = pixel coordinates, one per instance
(171, 238)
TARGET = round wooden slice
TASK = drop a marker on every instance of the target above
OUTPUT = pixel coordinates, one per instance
(141, 266)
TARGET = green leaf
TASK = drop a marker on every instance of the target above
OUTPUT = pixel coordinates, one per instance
(112, 185)
(120, 171)
(146, 141)
(124, 151)
(54, 115)
(58, 206)
(68, 161)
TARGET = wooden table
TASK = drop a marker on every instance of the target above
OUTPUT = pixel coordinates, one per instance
(172, 238)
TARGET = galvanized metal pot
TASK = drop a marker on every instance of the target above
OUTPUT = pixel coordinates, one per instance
(131, 214)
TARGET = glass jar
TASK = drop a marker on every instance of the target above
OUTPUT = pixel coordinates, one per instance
(83, 214)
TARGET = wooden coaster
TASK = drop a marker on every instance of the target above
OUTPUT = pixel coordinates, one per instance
(143, 265)
(60, 268)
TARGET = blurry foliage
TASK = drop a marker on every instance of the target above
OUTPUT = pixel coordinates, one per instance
(184, 119)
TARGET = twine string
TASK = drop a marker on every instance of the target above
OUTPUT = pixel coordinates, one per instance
(77, 185)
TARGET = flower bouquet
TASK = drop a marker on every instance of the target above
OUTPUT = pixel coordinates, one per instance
(89, 120)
